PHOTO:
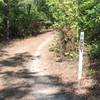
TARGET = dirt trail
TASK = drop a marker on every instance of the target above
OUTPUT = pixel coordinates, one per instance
(28, 72)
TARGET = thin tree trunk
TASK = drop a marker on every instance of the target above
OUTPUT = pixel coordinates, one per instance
(8, 31)
(6, 20)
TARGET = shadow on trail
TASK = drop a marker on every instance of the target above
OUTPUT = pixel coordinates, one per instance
(94, 58)
(3, 53)
(21, 83)
(15, 92)
(13, 86)
(28, 87)
(95, 89)
(18, 59)
(4, 44)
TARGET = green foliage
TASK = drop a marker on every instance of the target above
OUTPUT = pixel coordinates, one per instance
(95, 50)
(91, 72)
(71, 17)
(1, 18)
(89, 22)
(24, 17)
(65, 15)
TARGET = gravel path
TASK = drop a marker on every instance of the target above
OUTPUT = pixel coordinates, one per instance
(28, 72)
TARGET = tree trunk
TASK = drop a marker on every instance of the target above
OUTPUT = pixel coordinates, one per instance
(6, 19)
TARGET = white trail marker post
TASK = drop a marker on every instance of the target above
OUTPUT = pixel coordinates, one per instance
(80, 67)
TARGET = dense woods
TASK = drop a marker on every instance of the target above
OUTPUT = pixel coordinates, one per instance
(22, 18)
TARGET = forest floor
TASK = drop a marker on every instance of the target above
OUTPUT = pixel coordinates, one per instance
(28, 71)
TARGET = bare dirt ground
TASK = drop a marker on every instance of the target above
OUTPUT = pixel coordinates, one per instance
(28, 71)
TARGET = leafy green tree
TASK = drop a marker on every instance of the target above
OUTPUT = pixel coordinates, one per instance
(89, 13)
(65, 16)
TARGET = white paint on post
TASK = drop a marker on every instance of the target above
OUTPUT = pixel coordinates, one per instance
(80, 67)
